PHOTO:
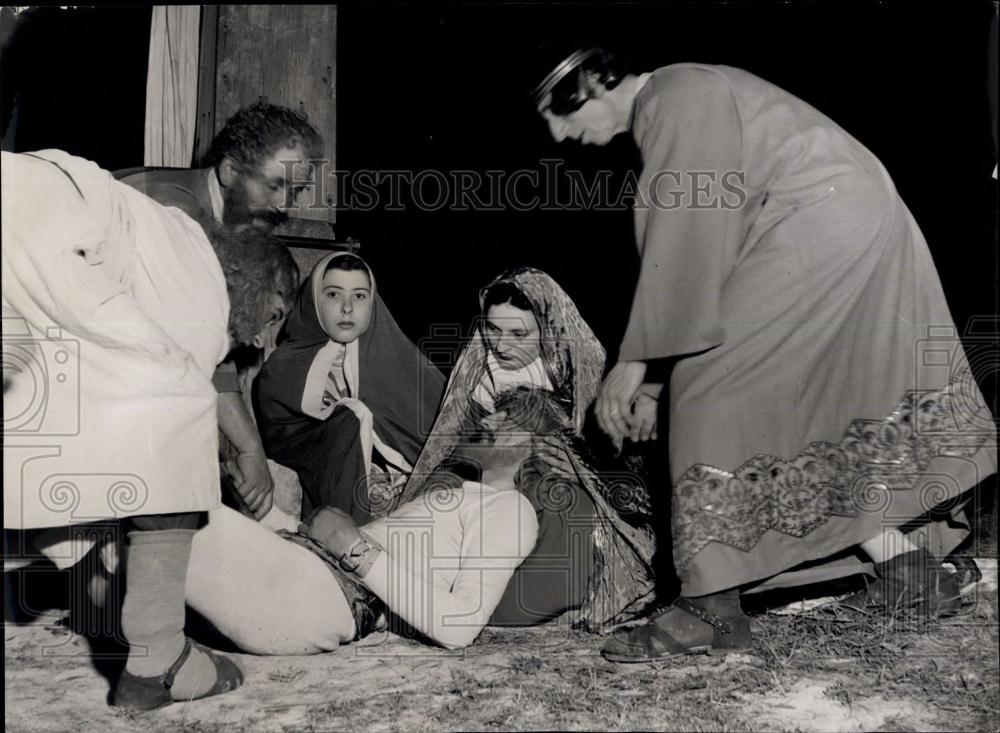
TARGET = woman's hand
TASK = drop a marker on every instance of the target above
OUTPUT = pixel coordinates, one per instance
(614, 404)
(332, 528)
(552, 453)
(642, 421)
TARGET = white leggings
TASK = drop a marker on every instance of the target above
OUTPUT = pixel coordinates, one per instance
(266, 594)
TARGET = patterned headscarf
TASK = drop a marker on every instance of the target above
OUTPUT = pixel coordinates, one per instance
(572, 356)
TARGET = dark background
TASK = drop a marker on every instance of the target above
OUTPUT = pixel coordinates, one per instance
(75, 79)
(444, 88)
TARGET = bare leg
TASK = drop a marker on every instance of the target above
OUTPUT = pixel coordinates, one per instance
(890, 543)
(268, 595)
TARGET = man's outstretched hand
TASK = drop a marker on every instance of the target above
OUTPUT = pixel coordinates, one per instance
(614, 404)
(253, 481)
(332, 528)
(642, 419)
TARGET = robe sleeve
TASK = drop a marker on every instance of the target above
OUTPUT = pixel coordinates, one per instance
(226, 378)
(689, 133)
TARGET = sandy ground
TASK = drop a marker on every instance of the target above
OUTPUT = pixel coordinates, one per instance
(944, 677)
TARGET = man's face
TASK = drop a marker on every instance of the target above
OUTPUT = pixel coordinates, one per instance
(595, 123)
(267, 338)
(262, 195)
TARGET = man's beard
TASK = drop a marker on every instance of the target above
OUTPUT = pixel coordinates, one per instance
(236, 209)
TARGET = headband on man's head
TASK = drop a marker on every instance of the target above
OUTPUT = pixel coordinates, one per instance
(559, 73)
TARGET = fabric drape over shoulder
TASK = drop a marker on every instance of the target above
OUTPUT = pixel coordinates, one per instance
(571, 354)
(116, 309)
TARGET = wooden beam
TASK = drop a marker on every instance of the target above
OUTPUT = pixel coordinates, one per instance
(205, 127)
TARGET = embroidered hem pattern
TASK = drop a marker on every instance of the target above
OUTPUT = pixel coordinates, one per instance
(845, 479)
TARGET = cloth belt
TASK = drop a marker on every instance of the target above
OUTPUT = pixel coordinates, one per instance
(368, 610)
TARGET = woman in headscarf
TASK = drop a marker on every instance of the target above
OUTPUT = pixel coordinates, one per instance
(535, 363)
(347, 399)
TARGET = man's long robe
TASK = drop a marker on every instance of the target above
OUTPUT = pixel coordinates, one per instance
(827, 394)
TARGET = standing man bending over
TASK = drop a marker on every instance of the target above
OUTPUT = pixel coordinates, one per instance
(127, 307)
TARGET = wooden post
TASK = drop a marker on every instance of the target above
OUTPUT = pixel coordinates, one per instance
(205, 127)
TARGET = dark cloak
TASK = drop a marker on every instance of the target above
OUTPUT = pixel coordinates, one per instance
(397, 383)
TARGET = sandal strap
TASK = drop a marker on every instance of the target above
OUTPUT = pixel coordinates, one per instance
(708, 617)
(655, 642)
(171, 673)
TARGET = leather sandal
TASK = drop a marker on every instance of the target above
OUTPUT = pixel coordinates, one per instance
(150, 693)
(913, 582)
(700, 630)
(967, 572)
